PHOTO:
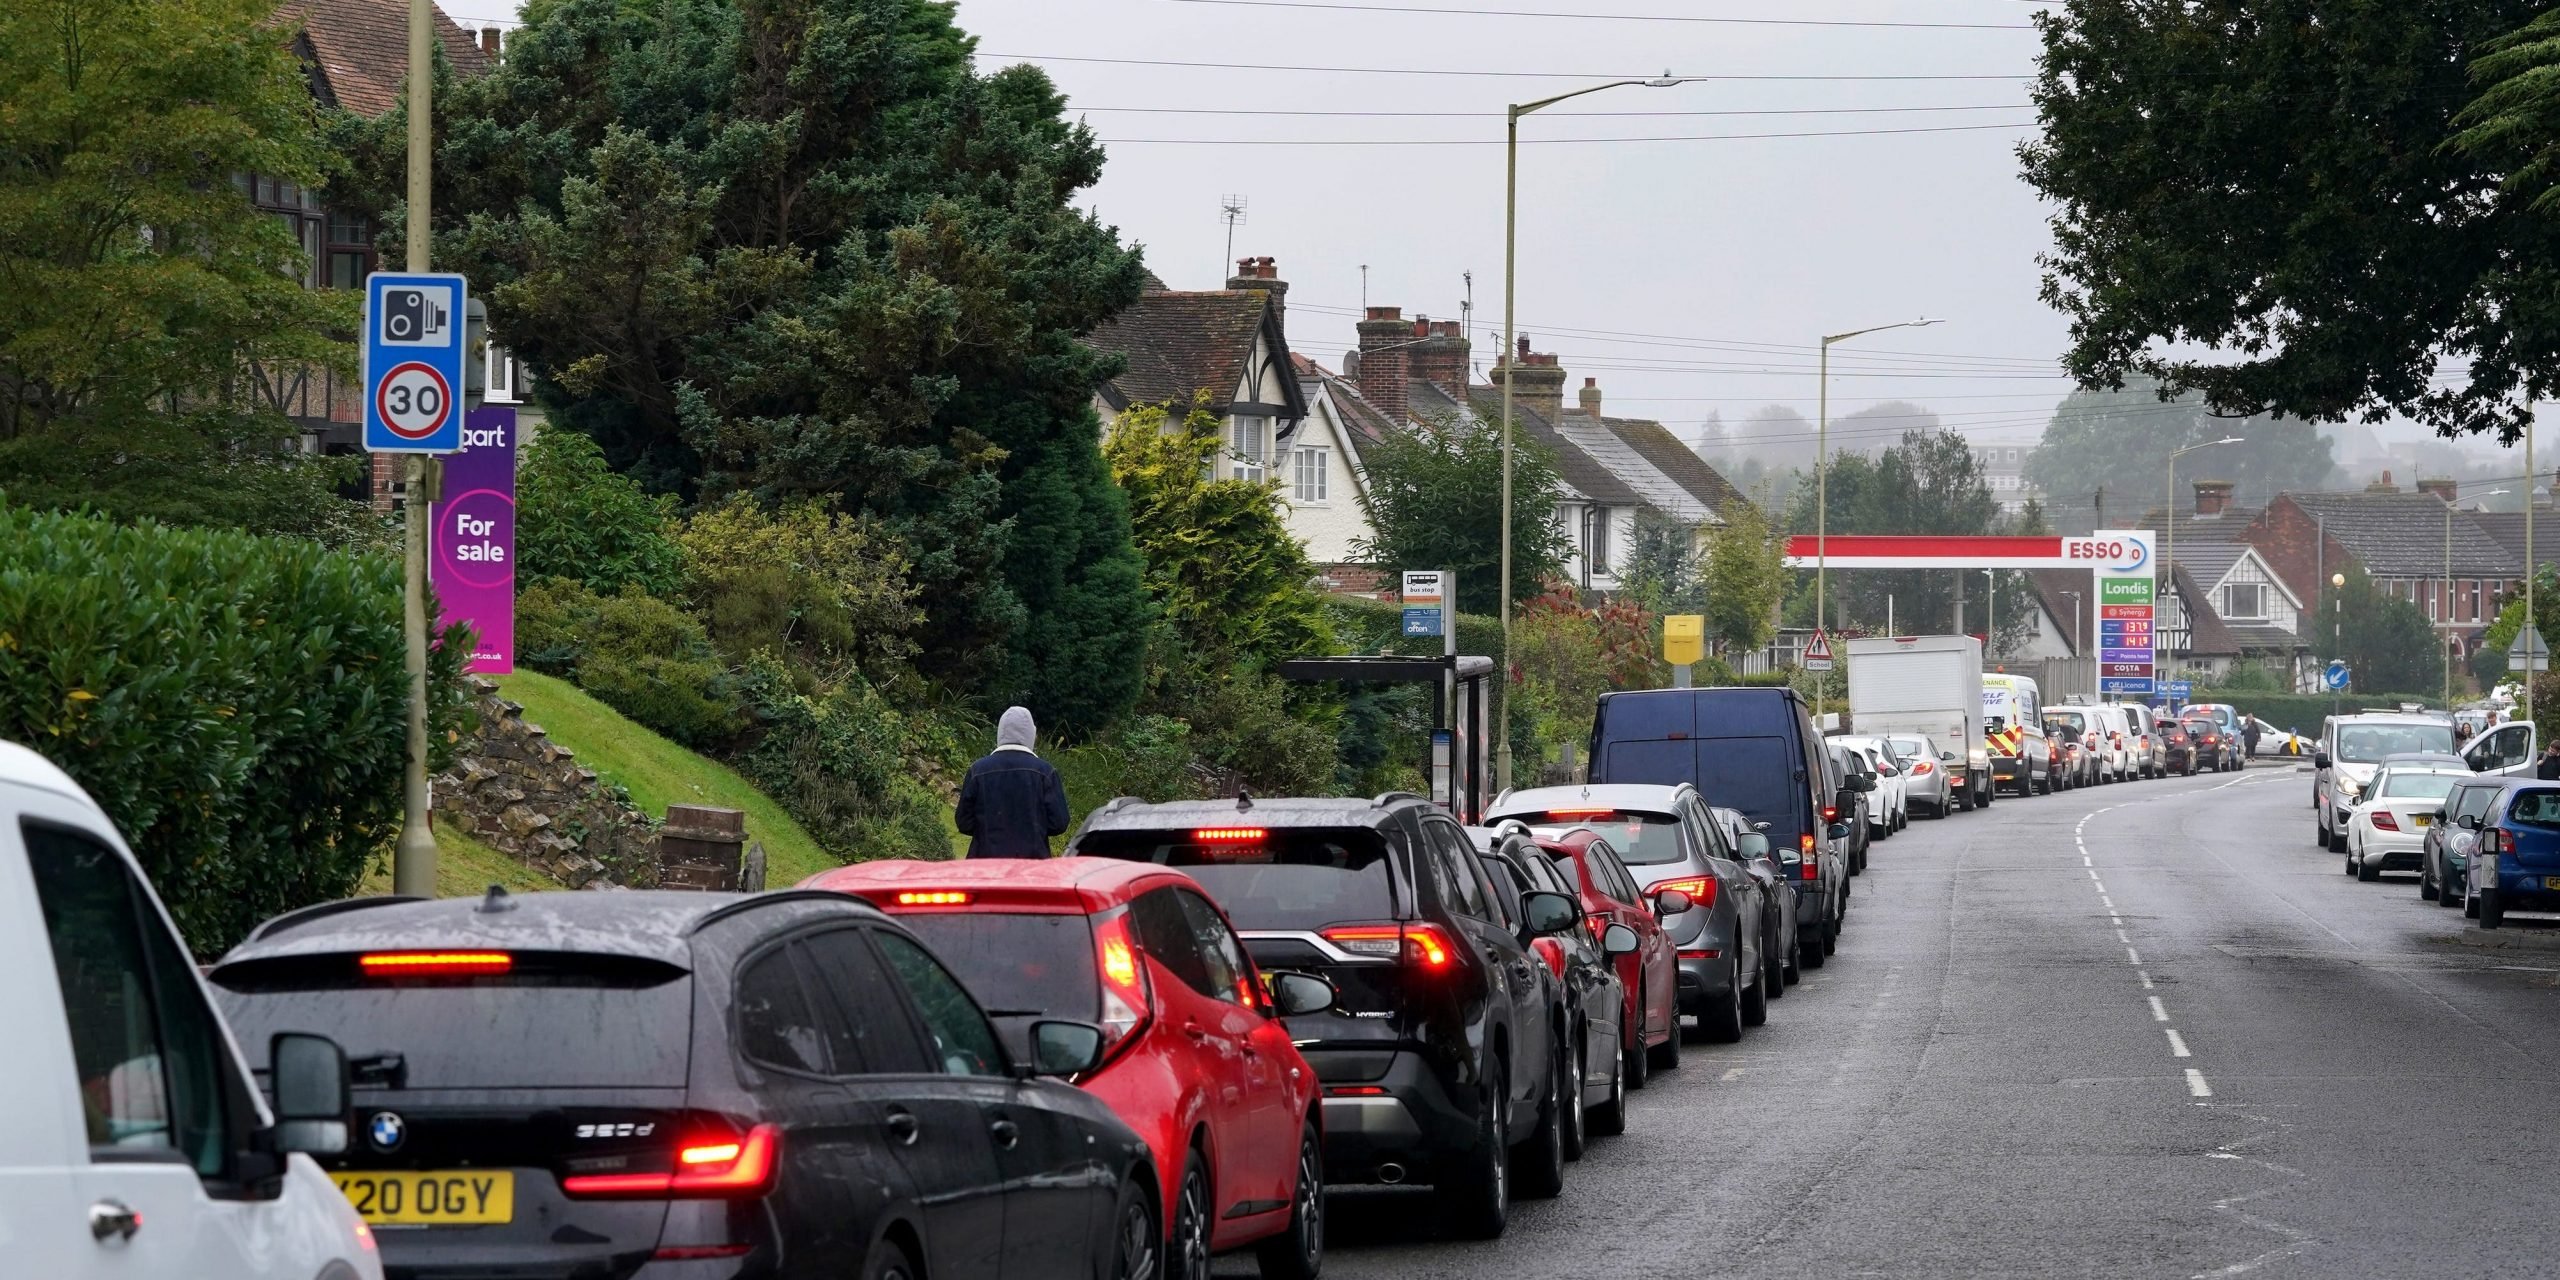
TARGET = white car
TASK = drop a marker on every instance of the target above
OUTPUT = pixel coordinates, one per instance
(2115, 742)
(1929, 779)
(136, 1143)
(2387, 829)
(1889, 810)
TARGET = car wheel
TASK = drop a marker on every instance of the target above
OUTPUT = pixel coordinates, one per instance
(1831, 934)
(1187, 1248)
(1638, 1058)
(890, 1262)
(1477, 1200)
(1538, 1164)
(2427, 881)
(1794, 958)
(1755, 1003)
(1773, 970)
(2470, 902)
(2351, 862)
(2365, 870)
(1609, 1119)
(1809, 952)
(1721, 1022)
(1666, 1055)
(1298, 1253)
(2319, 831)
(2492, 913)
(1577, 1127)
(2447, 896)
(1137, 1243)
(2337, 840)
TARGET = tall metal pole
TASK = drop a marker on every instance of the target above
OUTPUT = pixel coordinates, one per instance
(2444, 609)
(413, 859)
(2529, 573)
(1510, 296)
(1821, 514)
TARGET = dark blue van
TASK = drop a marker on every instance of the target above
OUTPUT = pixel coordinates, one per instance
(1749, 749)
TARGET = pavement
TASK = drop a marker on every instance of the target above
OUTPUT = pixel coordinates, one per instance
(2138, 1030)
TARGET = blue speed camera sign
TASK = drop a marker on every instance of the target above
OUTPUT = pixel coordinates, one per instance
(413, 347)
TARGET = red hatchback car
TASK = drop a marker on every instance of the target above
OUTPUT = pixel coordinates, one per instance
(1196, 1058)
(1650, 973)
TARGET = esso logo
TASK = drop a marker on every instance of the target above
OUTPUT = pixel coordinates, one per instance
(2116, 552)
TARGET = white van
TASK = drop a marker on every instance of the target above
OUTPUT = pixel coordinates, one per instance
(2116, 758)
(134, 1143)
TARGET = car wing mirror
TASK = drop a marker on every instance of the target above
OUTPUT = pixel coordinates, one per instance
(2319, 759)
(1618, 940)
(1547, 914)
(1063, 1048)
(1298, 994)
(1754, 845)
(309, 1076)
(1671, 902)
(1837, 831)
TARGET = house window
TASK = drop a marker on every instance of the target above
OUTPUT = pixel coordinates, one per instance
(1596, 539)
(350, 251)
(1308, 467)
(1252, 449)
(500, 377)
(2244, 600)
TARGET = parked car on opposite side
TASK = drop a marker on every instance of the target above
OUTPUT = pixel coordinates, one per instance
(671, 1084)
(2351, 748)
(2444, 857)
(1649, 975)
(2515, 865)
(1440, 1060)
(2217, 748)
(139, 1145)
(1590, 1002)
(1194, 1055)
(1932, 774)
(1672, 845)
(2388, 827)
(2510, 750)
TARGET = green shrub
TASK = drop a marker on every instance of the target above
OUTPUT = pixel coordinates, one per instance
(2305, 711)
(636, 653)
(806, 580)
(835, 756)
(235, 703)
(578, 518)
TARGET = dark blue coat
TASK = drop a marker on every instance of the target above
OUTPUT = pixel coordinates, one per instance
(1011, 802)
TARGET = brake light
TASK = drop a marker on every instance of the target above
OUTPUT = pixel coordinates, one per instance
(1567, 815)
(1125, 997)
(2494, 841)
(1419, 943)
(1812, 866)
(1701, 890)
(1229, 835)
(725, 1169)
(1830, 813)
(1922, 768)
(434, 964)
(1355, 1091)
(2383, 821)
(1708, 953)
(934, 898)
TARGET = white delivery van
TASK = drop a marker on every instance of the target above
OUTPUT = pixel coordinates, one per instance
(135, 1146)
(1928, 685)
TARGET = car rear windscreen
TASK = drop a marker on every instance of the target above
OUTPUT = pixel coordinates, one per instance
(1271, 878)
(2417, 786)
(551, 1021)
(2070, 718)
(1640, 839)
(1754, 775)
(1017, 965)
(2367, 743)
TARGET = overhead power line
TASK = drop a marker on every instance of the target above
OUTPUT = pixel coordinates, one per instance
(1547, 142)
(1336, 6)
(1552, 115)
(1449, 71)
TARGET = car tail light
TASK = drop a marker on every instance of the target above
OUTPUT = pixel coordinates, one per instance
(2493, 841)
(706, 1169)
(434, 964)
(1922, 768)
(1419, 943)
(1568, 815)
(1355, 1091)
(933, 898)
(1707, 953)
(1830, 813)
(1229, 835)
(1552, 952)
(1701, 890)
(2383, 821)
(1126, 998)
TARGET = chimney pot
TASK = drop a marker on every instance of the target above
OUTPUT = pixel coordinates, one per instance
(1385, 313)
(1385, 358)
(489, 43)
(2213, 497)
(1591, 396)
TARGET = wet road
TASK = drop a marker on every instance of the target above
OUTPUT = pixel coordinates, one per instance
(2139, 1030)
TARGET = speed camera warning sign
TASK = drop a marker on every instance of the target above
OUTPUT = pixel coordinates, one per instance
(413, 354)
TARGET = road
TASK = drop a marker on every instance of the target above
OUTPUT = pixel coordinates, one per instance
(2139, 1030)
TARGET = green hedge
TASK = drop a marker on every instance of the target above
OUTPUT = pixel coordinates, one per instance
(2303, 712)
(235, 703)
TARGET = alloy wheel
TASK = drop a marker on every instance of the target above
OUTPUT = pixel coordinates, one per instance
(1190, 1245)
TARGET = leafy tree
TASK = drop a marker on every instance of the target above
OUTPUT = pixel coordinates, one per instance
(1221, 563)
(1660, 571)
(806, 579)
(1435, 501)
(1745, 576)
(580, 519)
(146, 306)
(799, 247)
(2386, 640)
(1929, 483)
(2258, 205)
(2120, 441)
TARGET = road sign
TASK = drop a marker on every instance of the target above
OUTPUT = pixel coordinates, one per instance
(413, 356)
(1817, 652)
(2528, 653)
(1423, 613)
(2335, 677)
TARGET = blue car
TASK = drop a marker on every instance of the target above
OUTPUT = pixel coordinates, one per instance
(2515, 865)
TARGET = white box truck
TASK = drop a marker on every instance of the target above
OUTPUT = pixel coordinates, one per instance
(1930, 685)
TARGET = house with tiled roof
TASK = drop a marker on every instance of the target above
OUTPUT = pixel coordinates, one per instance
(2258, 610)
(2415, 544)
(1323, 480)
(1224, 349)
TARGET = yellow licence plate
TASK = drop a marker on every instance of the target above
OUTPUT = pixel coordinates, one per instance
(2551, 882)
(432, 1198)
(2423, 819)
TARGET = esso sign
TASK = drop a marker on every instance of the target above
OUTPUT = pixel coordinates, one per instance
(2103, 551)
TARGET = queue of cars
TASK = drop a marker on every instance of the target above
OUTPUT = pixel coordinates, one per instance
(2476, 824)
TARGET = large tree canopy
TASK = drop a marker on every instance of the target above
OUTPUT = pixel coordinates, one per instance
(2259, 203)
(2120, 441)
(1435, 500)
(796, 247)
(1929, 483)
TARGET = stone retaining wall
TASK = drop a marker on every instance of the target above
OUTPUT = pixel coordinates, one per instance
(514, 789)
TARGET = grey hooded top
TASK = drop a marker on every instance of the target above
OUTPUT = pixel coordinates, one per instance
(1012, 801)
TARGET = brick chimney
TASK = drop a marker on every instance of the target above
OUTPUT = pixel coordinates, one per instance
(1536, 381)
(1384, 360)
(1264, 274)
(2383, 485)
(2213, 497)
(2442, 487)
(1591, 396)
(490, 47)
(1440, 354)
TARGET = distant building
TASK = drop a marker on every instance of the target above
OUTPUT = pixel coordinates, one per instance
(2003, 470)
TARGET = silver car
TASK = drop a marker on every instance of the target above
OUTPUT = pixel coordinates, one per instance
(1930, 773)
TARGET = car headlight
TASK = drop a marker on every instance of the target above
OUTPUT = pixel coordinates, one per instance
(2349, 791)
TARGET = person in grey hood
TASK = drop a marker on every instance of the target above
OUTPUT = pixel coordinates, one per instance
(1012, 801)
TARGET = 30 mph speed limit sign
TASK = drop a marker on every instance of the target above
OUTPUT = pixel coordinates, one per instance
(414, 401)
(413, 353)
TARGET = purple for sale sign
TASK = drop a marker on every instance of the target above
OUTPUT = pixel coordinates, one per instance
(471, 549)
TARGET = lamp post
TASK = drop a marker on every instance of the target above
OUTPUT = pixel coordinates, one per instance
(2337, 631)
(1822, 480)
(2169, 537)
(2079, 624)
(2445, 599)
(413, 857)
(1510, 296)
(1990, 611)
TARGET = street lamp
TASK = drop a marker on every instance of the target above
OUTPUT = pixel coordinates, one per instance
(1990, 610)
(2444, 602)
(1822, 480)
(2337, 631)
(1510, 295)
